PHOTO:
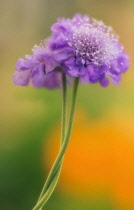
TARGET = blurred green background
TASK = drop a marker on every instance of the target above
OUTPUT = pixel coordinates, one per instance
(28, 116)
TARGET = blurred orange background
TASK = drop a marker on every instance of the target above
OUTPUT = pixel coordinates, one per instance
(99, 159)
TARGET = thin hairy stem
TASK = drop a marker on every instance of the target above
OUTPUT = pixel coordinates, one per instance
(60, 156)
(63, 129)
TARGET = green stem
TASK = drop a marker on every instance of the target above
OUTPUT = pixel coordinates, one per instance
(47, 188)
(63, 129)
(64, 103)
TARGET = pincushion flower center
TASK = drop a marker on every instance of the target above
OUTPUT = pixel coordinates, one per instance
(93, 44)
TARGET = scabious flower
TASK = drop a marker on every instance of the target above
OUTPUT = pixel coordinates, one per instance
(88, 49)
(39, 68)
(82, 47)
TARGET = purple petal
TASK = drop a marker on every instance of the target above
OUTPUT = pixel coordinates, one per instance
(69, 61)
(52, 80)
(21, 78)
(38, 76)
(61, 56)
(23, 65)
(116, 79)
(58, 27)
(104, 82)
(123, 63)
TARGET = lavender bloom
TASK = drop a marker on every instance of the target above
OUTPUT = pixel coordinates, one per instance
(81, 47)
(88, 49)
(40, 68)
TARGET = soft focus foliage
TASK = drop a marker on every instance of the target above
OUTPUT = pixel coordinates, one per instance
(28, 116)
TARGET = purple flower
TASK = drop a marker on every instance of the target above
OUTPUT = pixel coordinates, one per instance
(88, 49)
(39, 68)
(82, 47)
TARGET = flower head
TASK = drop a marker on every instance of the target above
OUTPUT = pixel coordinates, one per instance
(82, 47)
(40, 68)
(88, 49)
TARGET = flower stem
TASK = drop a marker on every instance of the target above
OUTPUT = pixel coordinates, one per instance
(63, 128)
(64, 103)
(54, 173)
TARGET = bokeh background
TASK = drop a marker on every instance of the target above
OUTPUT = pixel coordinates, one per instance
(98, 171)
